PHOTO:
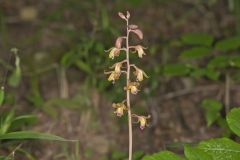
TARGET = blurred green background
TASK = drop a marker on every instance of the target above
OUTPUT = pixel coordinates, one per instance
(192, 62)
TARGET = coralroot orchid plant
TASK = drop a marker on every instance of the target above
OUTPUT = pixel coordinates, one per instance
(124, 67)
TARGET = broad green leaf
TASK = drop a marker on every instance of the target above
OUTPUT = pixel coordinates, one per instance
(212, 74)
(164, 155)
(222, 123)
(194, 153)
(176, 69)
(197, 39)
(196, 52)
(208, 72)
(221, 149)
(212, 108)
(1, 95)
(219, 62)
(228, 44)
(138, 155)
(31, 135)
(198, 72)
(234, 61)
(233, 120)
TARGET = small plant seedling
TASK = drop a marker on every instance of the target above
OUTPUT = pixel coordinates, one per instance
(125, 67)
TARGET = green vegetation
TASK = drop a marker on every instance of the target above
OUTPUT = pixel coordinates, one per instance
(52, 82)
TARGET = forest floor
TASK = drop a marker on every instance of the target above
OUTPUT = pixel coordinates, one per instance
(177, 117)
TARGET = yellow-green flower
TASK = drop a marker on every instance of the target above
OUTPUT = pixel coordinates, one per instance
(114, 76)
(120, 107)
(140, 50)
(142, 120)
(117, 67)
(114, 52)
(133, 87)
(140, 74)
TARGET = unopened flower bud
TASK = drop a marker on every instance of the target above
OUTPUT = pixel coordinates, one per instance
(121, 15)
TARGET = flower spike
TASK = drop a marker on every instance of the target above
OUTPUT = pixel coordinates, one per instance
(122, 43)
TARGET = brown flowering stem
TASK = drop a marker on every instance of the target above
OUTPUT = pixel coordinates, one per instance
(128, 95)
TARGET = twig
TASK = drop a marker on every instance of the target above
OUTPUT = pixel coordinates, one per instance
(13, 152)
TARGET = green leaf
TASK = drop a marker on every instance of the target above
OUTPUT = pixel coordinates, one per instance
(176, 69)
(1, 95)
(24, 119)
(196, 52)
(221, 149)
(234, 61)
(212, 104)
(197, 39)
(194, 153)
(212, 108)
(219, 62)
(208, 72)
(31, 135)
(138, 155)
(164, 155)
(6, 121)
(116, 155)
(15, 77)
(5, 158)
(212, 74)
(228, 44)
(233, 120)
(83, 66)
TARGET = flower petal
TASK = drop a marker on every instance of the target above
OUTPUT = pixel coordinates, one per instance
(138, 32)
(121, 15)
(118, 43)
